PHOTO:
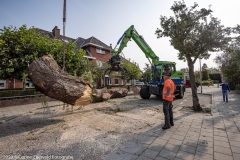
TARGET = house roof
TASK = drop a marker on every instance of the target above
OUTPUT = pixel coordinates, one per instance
(80, 42)
(95, 42)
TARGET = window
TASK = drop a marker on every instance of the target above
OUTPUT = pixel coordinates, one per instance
(99, 63)
(2, 84)
(100, 51)
(29, 84)
(116, 81)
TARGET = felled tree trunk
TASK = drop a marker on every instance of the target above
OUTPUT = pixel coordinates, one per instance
(48, 78)
(99, 95)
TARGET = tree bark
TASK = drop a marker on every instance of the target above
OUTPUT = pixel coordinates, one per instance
(196, 105)
(48, 78)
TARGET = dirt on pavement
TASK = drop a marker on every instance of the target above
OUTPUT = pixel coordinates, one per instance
(86, 132)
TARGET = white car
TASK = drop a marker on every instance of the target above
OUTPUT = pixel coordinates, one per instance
(139, 83)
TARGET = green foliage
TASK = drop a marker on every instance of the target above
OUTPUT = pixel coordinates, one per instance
(207, 83)
(11, 93)
(133, 69)
(19, 47)
(88, 76)
(147, 74)
(215, 76)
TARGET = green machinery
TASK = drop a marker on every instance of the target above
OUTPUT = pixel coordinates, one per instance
(155, 86)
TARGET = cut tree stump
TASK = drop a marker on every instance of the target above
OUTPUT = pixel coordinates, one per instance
(49, 79)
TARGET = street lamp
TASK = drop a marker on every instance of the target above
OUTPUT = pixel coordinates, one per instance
(200, 74)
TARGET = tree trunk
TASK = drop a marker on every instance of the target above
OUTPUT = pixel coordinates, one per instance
(48, 78)
(196, 105)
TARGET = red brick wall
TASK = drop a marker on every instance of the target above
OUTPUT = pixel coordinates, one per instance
(102, 57)
(10, 84)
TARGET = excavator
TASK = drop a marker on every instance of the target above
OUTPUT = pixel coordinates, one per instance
(155, 86)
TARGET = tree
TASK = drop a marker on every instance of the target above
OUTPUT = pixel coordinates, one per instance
(132, 68)
(147, 73)
(194, 33)
(205, 72)
(228, 60)
(184, 70)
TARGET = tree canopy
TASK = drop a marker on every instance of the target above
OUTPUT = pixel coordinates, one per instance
(20, 46)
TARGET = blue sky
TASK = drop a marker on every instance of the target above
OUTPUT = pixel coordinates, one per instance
(108, 19)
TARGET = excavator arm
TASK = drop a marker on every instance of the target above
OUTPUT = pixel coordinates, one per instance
(129, 34)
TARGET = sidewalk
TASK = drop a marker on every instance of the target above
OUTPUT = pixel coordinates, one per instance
(194, 135)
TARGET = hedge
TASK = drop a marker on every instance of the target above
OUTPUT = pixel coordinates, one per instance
(17, 92)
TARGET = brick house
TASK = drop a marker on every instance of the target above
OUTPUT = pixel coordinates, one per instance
(96, 51)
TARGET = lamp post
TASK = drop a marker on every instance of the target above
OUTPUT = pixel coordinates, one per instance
(200, 74)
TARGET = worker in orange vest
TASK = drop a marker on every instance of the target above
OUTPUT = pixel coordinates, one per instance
(168, 95)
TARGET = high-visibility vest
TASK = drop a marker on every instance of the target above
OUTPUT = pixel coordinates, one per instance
(168, 83)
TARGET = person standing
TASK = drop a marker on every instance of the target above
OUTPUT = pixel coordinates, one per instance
(225, 89)
(168, 95)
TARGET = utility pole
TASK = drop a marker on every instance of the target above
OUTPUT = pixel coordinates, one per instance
(64, 25)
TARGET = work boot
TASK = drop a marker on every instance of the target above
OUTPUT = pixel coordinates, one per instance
(165, 127)
(171, 121)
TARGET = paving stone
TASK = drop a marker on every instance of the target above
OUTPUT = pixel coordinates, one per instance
(167, 154)
(207, 130)
(235, 143)
(191, 137)
(174, 141)
(207, 134)
(205, 143)
(120, 155)
(221, 144)
(150, 153)
(194, 133)
(194, 129)
(172, 147)
(133, 148)
(203, 156)
(222, 150)
(178, 137)
(208, 139)
(143, 139)
(158, 144)
(142, 157)
(196, 126)
(190, 142)
(185, 155)
(204, 149)
(189, 149)
(161, 158)
(180, 133)
(220, 156)
(235, 149)
(154, 133)
(225, 139)
(236, 156)
(222, 134)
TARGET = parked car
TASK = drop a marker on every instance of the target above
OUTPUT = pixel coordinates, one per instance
(187, 84)
(139, 83)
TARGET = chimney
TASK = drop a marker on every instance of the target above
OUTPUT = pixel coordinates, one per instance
(56, 32)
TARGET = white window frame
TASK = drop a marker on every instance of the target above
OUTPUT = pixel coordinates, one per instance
(30, 84)
(99, 63)
(100, 51)
(4, 84)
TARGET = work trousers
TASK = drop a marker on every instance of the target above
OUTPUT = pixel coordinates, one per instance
(225, 95)
(168, 114)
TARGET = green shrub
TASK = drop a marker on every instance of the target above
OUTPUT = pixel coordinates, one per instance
(208, 82)
(17, 92)
(238, 87)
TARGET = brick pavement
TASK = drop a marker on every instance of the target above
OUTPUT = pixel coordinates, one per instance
(194, 135)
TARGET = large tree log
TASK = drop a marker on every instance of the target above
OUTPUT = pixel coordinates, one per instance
(48, 78)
